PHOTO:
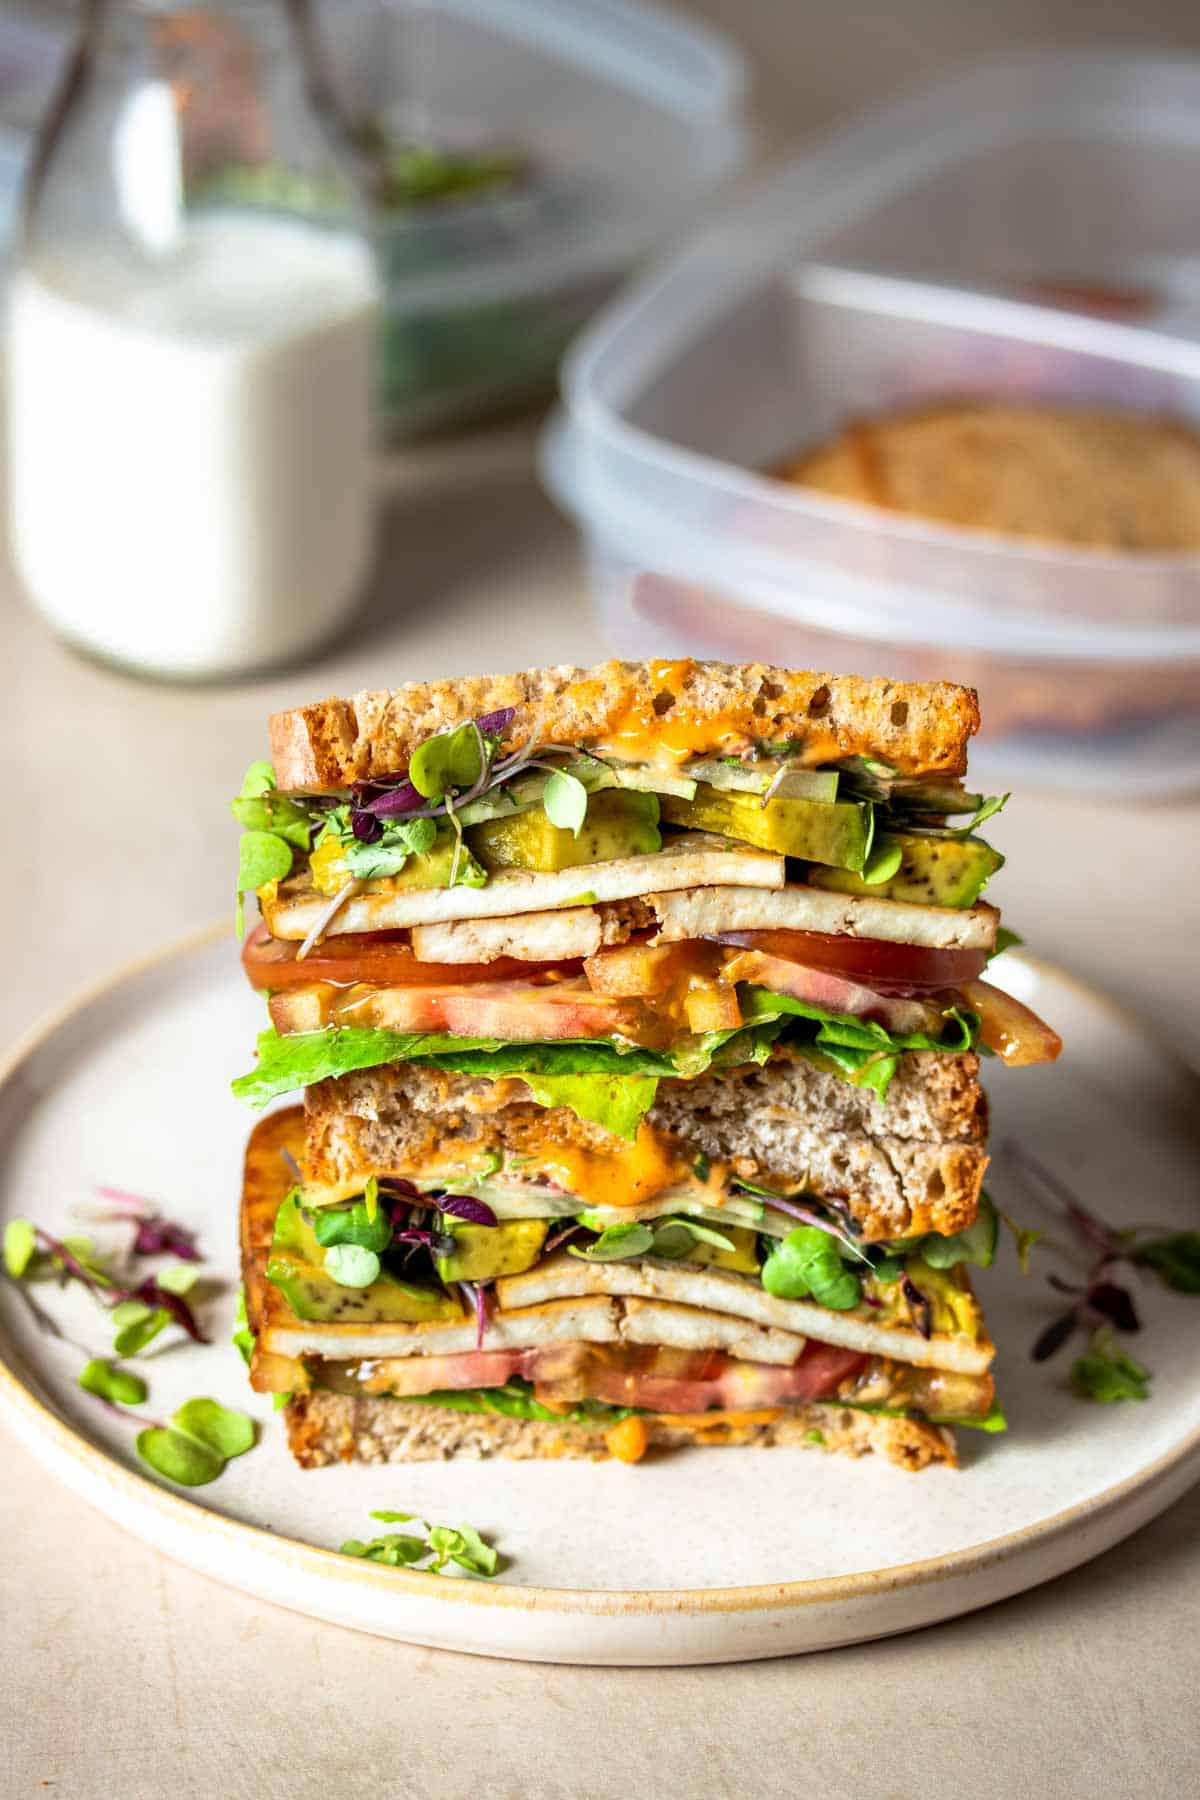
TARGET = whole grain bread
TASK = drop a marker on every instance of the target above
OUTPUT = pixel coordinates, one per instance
(910, 1164)
(325, 1428)
(702, 707)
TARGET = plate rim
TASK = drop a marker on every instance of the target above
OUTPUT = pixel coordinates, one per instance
(41, 1422)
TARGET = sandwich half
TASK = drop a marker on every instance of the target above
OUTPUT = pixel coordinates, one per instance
(638, 1012)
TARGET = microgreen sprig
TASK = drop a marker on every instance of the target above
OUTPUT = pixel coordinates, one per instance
(430, 1548)
(1098, 1303)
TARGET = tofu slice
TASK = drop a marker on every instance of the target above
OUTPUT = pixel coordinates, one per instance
(699, 1328)
(592, 1320)
(719, 1290)
(703, 912)
(694, 859)
(531, 937)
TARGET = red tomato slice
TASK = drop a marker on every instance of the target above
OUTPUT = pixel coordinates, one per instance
(516, 1011)
(1012, 1030)
(888, 968)
(383, 957)
(668, 1382)
(659, 1379)
(471, 1369)
(834, 992)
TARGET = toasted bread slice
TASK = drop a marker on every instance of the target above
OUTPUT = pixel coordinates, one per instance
(634, 710)
(326, 1428)
(910, 1164)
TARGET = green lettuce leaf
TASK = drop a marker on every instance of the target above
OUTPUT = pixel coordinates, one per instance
(601, 1083)
(617, 1103)
(993, 1420)
(515, 1401)
(861, 1050)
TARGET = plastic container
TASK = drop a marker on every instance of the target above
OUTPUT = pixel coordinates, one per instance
(629, 119)
(782, 321)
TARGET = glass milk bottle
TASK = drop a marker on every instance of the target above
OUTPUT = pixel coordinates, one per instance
(190, 350)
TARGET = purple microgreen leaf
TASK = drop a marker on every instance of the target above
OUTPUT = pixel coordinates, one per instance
(154, 1234)
(559, 1238)
(366, 827)
(495, 724)
(156, 1295)
(1115, 1304)
(394, 802)
(465, 1207)
(1064, 1287)
(1054, 1336)
(474, 1293)
(920, 1309)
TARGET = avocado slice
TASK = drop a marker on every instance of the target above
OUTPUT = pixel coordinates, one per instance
(954, 1310)
(619, 822)
(742, 1259)
(837, 833)
(430, 868)
(433, 867)
(933, 871)
(481, 1252)
(295, 1266)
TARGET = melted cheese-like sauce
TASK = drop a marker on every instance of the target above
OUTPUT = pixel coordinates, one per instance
(637, 733)
(621, 1175)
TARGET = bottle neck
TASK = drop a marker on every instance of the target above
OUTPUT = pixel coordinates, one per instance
(153, 30)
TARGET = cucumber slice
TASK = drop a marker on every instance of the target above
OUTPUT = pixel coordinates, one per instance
(756, 778)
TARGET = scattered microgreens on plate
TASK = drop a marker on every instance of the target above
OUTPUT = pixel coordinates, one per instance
(430, 1548)
(202, 1435)
(1099, 1304)
(139, 1306)
(200, 1439)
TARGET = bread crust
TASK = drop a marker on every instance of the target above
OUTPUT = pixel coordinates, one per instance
(697, 707)
(325, 1428)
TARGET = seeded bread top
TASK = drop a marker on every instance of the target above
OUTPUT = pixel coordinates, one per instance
(639, 711)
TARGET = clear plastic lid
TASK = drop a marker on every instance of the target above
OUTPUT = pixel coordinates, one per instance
(802, 309)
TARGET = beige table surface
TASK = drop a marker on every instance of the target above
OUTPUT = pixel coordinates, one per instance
(122, 1674)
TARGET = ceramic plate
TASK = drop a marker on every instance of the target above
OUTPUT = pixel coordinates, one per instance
(699, 1557)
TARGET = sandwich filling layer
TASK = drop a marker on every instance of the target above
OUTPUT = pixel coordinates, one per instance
(460, 1308)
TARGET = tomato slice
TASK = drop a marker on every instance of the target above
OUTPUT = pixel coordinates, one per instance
(1014, 1031)
(887, 968)
(665, 1380)
(835, 992)
(380, 957)
(519, 1012)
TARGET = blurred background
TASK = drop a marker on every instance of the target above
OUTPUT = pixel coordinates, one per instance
(875, 337)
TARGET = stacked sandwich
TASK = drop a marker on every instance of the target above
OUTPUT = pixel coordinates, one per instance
(638, 1011)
